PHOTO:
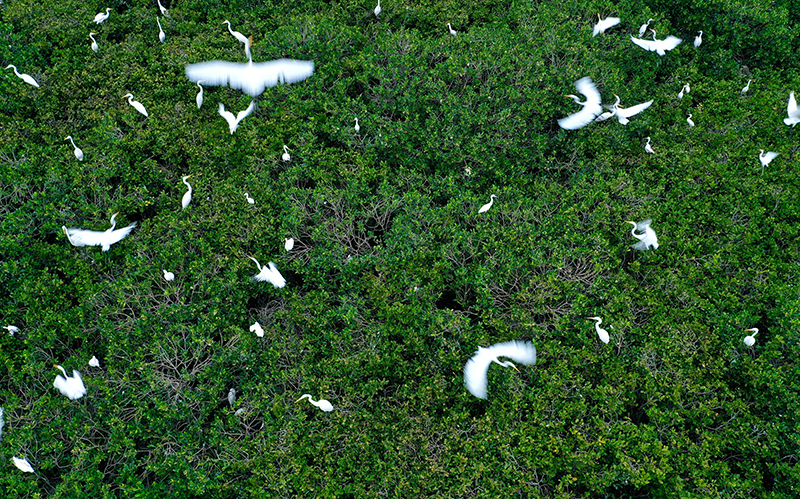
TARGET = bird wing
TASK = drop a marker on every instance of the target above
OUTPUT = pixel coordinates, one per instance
(643, 225)
(475, 372)
(633, 110)
(668, 43)
(275, 276)
(81, 237)
(244, 114)
(791, 107)
(604, 116)
(645, 44)
(229, 117)
(770, 156)
(118, 235)
(591, 108)
(522, 352)
(284, 71)
(252, 79)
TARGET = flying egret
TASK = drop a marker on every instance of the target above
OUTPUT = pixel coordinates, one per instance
(288, 244)
(689, 120)
(684, 90)
(78, 153)
(647, 147)
(187, 196)
(161, 35)
(11, 329)
(623, 113)
(648, 239)
(643, 28)
(80, 237)
(378, 9)
(750, 340)
(162, 9)
(24, 76)
(477, 367)
(256, 328)
(698, 40)
(251, 78)
(792, 111)
(602, 333)
(591, 106)
(660, 47)
(321, 403)
(488, 205)
(199, 98)
(612, 110)
(94, 362)
(136, 104)
(231, 396)
(23, 464)
(451, 30)
(603, 24)
(745, 88)
(249, 199)
(286, 156)
(357, 128)
(72, 387)
(233, 121)
(95, 46)
(766, 158)
(269, 273)
(102, 17)
(168, 276)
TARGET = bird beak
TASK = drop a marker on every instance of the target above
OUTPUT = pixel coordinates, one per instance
(115, 214)
(629, 222)
(515, 368)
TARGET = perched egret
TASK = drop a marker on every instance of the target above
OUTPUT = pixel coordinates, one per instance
(11, 329)
(792, 111)
(24, 76)
(591, 106)
(623, 113)
(251, 78)
(78, 153)
(488, 205)
(95, 46)
(643, 28)
(603, 24)
(286, 156)
(72, 387)
(161, 35)
(80, 237)
(602, 333)
(94, 362)
(477, 367)
(136, 104)
(321, 403)
(199, 98)
(102, 17)
(168, 276)
(187, 196)
(231, 396)
(648, 239)
(162, 9)
(660, 47)
(745, 88)
(698, 40)
(288, 244)
(689, 120)
(451, 30)
(378, 9)
(249, 199)
(767, 157)
(269, 273)
(2, 421)
(256, 328)
(242, 39)
(233, 121)
(23, 464)
(684, 90)
(357, 128)
(647, 147)
(750, 340)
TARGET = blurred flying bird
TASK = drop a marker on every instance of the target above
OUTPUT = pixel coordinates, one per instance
(72, 387)
(591, 106)
(477, 367)
(80, 237)
(648, 239)
(251, 78)
(660, 47)
(269, 273)
(603, 24)
(766, 158)
(233, 121)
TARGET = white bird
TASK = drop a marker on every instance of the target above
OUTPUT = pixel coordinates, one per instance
(591, 106)
(2, 421)
(477, 367)
(256, 328)
(643, 28)
(24, 76)
(321, 403)
(286, 156)
(161, 35)
(766, 158)
(603, 24)
(23, 464)
(612, 110)
(270, 274)
(11, 329)
(750, 340)
(698, 40)
(660, 47)
(72, 387)
(94, 362)
(187, 196)
(689, 120)
(357, 128)
(78, 153)
(136, 104)
(647, 147)
(288, 244)
(80, 237)
(745, 88)
(232, 396)
(378, 9)
(251, 78)
(623, 113)
(233, 121)
(168, 276)
(602, 333)
(101, 17)
(95, 46)
(162, 9)
(199, 98)
(451, 30)
(648, 239)
(488, 205)
(242, 39)
(249, 199)
(792, 111)
(684, 90)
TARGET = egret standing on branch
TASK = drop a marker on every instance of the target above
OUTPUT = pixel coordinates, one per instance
(591, 107)
(477, 367)
(24, 76)
(99, 18)
(647, 148)
(199, 98)
(378, 9)
(648, 239)
(603, 24)
(187, 196)
(95, 47)
(684, 90)
(136, 104)
(451, 30)
(792, 111)
(72, 387)
(643, 28)
(602, 333)
(689, 120)
(270, 274)
(161, 35)
(745, 88)
(698, 40)
(488, 205)
(321, 403)
(750, 340)
(80, 237)
(285, 156)
(242, 39)
(77, 152)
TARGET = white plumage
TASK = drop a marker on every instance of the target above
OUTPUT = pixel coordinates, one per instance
(136, 104)
(323, 404)
(251, 78)
(591, 106)
(269, 273)
(23, 464)
(288, 244)
(660, 47)
(187, 196)
(286, 156)
(477, 367)
(24, 76)
(792, 111)
(199, 97)
(80, 237)
(602, 333)
(647, 148)
(102, 17)
(95, 47)
(94, 362)
(603, 24)
(647, 240)
(233, 121)
(256, 328)
(168, 276)
(488, 205)
(77, 152)
(767, 157)
(72, 387)
(698, 40)
(161, 35)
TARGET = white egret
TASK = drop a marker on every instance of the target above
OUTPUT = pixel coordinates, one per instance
(623, 113)
(792, 111)
(612, 109)
(660, 47)
(95, 46)
(647, 147)
(766, 158)
(256, 328)
(102, 17)
(357, 128)
(602, 333)
(80, 237)
(288, 244)
(199, 98)
(488, 205)
(162, 9)
(11, 329)
(684, 90)
(187, 196)
(286, 156)
(23, 464)
(648, 239)
(477, 367)
(24, 76)
(269, 273)
(94, 362)
(603, 24)
(378, 9)
(323, 404)
(2, 421)
(136, 104)
(698, 40)
(77, 152)
(451, 30)
(249, 199)
(251, 78)
(72, 387)
(750, 340)
(689, 120)
(233, 121)
(242, 39)
(643, 28)
(168, 276)
(161, 35)
(591, 106)
(231, 396)
(745, 88)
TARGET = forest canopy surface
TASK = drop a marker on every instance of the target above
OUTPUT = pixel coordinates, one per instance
(395, 279)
